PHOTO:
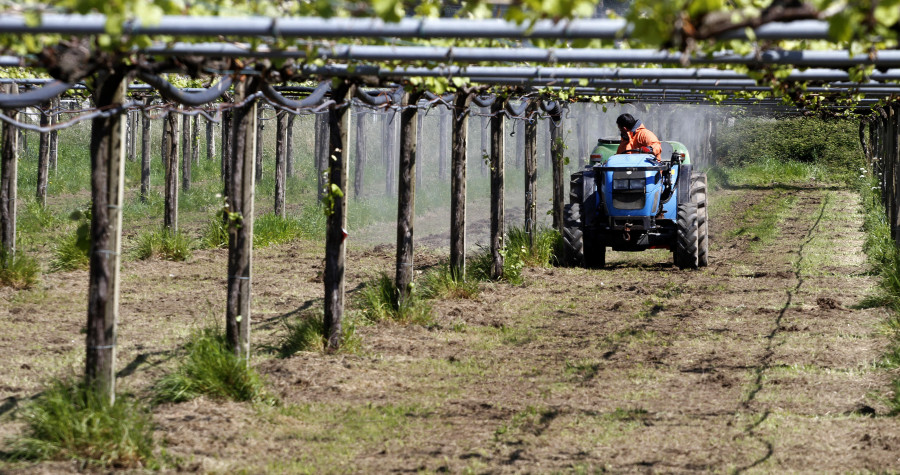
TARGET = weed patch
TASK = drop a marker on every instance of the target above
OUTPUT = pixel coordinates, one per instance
(380, 300)
(215, 235)
(307, 333)
(71, 421)
(762, 219)
(211, 369)
(271, 229)
(163, 244)
(439, 283)
(72, 251)
(18, 270)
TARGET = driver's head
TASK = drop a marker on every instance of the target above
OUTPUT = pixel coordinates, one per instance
(626, 121)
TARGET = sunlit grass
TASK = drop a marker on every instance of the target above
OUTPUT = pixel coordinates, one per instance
(18, 270)
(211, 369)
(163, 244)
(71, 421)
(307, 333)
(380, 300)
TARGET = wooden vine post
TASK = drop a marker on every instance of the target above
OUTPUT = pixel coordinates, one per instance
(558, 156)
(132, 135)
(145, 156)
(210, 141)
(531, 171)
(9, 163)
(260, 127)
(280, 161)
(43, 172)
(460, 114)
(321, 152)
(227, 116)
(186, 152)
(360, 166)
(54, 135)
(164, 146)
(406, 193)
(195, 140)
(240, 219)
(336, 209)
(497, 175)
(107, 188)
(484, 135)
(170, 160)
(289, 146)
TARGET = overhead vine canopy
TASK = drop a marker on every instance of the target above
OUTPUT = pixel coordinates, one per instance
(760, 41)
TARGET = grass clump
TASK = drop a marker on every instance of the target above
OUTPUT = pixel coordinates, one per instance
(71, 421)
(541, 252)
(71, 253)
(271, 229)
(268, 229)
(307, 333)
(520, 251)
(163, 244)
(380, 300)
(210, 368)
(215, 235)
(439, 283)
(18, 270)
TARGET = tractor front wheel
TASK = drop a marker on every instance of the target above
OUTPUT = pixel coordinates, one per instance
(573, 237)
(687, 243)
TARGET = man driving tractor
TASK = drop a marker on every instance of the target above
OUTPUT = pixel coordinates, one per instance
(636, 137)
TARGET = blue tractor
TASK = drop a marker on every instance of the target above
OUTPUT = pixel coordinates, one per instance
(632, 202)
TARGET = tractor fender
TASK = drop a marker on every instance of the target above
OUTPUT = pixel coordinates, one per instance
(591, 200)
(683, 183)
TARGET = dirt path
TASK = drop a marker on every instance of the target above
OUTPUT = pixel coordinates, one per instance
(762, 361)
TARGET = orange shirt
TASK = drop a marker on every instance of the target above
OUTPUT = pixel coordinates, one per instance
(641, 137)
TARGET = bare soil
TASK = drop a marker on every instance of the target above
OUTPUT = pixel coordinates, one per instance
(764, 361)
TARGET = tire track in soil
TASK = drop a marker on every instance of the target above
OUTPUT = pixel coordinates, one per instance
(769, 352)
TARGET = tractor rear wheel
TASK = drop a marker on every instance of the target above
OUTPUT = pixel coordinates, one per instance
(686, 246)
(594, 252)
(576, 185)
(698, 196)
(573, 237)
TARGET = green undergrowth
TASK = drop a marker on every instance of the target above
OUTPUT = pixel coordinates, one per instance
(791, 149)
(307, 333)
(18, 270)
(71, 421)
(440, 283)
(884, 257)
(380, 301)
(209, 368)
(163, 244)
(762, 218)
(72, 250)
(269, 229)
(768, 172)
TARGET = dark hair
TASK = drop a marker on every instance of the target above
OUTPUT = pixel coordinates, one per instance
(626, 120)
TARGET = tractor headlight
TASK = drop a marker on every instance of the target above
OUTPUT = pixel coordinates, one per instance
(628, 184)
